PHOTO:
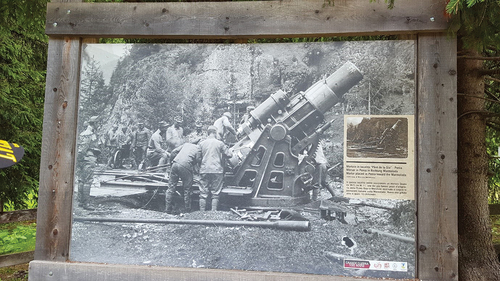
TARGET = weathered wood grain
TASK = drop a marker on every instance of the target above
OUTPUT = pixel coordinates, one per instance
(19, 215)
(43, 270)
(285, 18)
(437, 158)
(58, 149)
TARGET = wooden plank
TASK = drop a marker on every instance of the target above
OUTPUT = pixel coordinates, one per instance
(58, 150)
(43, 270)
(15, 259)
(250, 19)
(16, 216)
(437, 158)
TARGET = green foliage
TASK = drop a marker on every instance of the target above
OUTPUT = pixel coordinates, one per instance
(478, 25)
(23, 57)
(17, 237)
(477, 22)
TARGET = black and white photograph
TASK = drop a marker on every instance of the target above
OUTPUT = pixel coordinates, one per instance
(377, 137)
(231, 156)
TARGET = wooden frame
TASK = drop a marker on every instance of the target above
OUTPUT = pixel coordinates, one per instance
(69, 23)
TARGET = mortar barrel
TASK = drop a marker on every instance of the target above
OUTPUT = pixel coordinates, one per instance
(283, 225)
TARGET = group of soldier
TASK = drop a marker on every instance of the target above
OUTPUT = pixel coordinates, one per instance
(197, 153)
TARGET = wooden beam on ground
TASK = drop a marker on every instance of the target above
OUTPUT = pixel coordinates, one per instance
(437, 158)
(247, 19)
(16, 216)
(15, 259)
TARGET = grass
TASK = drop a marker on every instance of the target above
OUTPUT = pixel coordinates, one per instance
(14, 238)
(17, 237)
(14, 273)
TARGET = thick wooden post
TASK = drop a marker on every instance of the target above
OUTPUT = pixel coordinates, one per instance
(437, 158)
(58, 149)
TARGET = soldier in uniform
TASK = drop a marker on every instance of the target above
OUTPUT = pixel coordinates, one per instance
(157, 146)
(185, 163)
(197, 134)
(86, 161)
(125, 140)
(213, 152)
(175, 134)
(246, 116)
(112, 144)
(140, 143)
(223, 125)
(320, 173)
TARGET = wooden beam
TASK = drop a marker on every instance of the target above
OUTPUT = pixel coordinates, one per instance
(58, 150)
(15, 259)
(16, 216)
(250, 19)
(43, 270)
(437, 158)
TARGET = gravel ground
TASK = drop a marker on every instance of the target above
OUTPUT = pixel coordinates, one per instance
(246, 248)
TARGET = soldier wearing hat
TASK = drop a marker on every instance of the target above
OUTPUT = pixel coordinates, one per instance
(197, 133)
(140, 143)
(185, 163)
(246, 116)
(223, 125)
(213, 153)
(175, 134)
(112, 144)
(86, 161)
(157, 146)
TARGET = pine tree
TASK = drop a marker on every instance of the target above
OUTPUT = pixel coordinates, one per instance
(93, 93)
(478, 27)
(23, 58)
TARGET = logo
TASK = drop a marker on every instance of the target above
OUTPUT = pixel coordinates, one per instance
(10, 154)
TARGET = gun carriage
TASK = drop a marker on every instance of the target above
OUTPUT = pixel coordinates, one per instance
(272, 161)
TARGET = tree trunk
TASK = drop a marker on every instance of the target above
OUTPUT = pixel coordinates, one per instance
(477, 257)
